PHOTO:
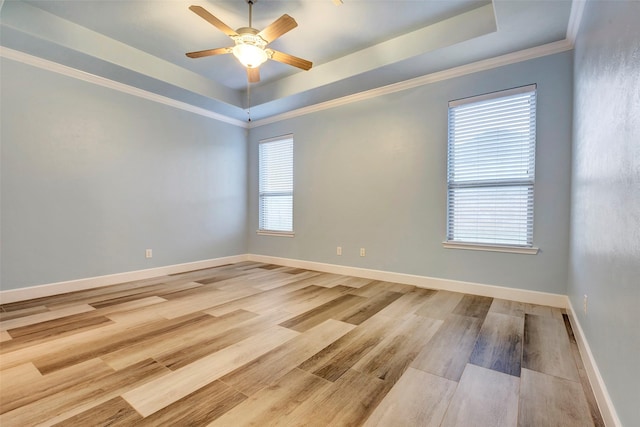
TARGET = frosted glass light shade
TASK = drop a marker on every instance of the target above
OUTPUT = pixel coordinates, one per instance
(249, 55)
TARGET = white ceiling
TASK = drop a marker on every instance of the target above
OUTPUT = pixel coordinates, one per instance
(357, 46)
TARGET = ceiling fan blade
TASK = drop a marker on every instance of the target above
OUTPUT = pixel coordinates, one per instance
(209, 52)
(280, 26)
(337, 2)
(253, 75)
(291, 60)
(201, 12)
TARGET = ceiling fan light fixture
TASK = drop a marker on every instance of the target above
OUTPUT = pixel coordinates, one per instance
(250, 44)
(250, 48)
(249, 55)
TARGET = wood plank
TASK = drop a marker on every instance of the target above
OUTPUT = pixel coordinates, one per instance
(549, 400)
(391, 357)
(546, 347)
(129, 306)
(512, 308)
(328, 280)
(543, 310)
(484, 398)
(269, 266)
(360, 312)
(473, 306)
(36, 335)
(80, 352)
(349, 401)
(227, 334)
(183, 306)
(221, 276)
(296, 271)
(57, 327)
(355, 282)
(44, 316)
(266, 300)
(417, 399)
(374, 287)
(275, 281)
(113, 413)
(440, 304)
(33, 386)
(19, 377)
(66, 344)
(190, 335)
(273, 405)
(198, 408)
(408, 303)
(160, 290)
(76, 399)
(301, 305)
(499, 344)
(190, 378)
(331, 309)
(119, 294)
(72, 313)
(447, 353)
(272, 365)
(17, 313)
(70, 298)
(4, 336)
(336, 359)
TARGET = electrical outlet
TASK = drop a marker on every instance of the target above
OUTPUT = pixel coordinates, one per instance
(148, 253)
(339, 250)
(362, 252)
(585, 303)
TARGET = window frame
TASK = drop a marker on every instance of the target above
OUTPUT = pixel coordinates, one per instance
(266, 194)
(492, 182)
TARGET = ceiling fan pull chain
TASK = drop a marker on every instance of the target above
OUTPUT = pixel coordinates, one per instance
(249, 102)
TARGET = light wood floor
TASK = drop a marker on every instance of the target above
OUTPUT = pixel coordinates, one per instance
(255, 344)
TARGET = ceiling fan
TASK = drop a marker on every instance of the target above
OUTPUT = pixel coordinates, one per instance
(250, 44)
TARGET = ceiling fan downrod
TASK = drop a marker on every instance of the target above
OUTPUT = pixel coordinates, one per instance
(251, 12)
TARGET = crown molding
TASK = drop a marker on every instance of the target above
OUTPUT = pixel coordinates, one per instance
(55, 67)
(474, 67)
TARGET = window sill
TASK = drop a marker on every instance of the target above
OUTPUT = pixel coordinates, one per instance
(490, 248)
(276, 233)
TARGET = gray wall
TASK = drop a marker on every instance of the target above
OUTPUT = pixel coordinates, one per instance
(605, 238)
(372, 174)
(92, 177)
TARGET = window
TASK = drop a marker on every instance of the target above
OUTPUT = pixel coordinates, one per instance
(491, 170)
(276, 186)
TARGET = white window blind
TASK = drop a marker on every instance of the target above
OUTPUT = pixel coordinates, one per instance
(276, 184)
(491, 168)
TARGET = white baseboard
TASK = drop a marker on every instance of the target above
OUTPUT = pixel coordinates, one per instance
(607, 410)
(522, 295)
(21, 294)
(533, 297)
